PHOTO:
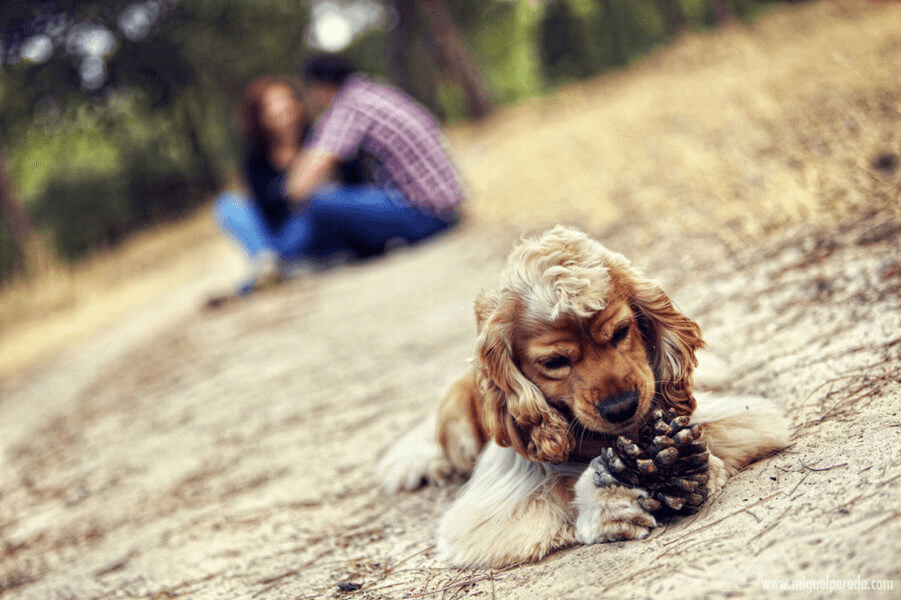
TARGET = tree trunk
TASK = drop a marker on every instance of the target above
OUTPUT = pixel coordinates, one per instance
(612, 29)
(455, 59)
(674, 16)
(400, 43)
(722, 12)
(418, 80)
(35, 256)
(208, 178)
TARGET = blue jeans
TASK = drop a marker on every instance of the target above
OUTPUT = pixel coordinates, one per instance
(336, 219)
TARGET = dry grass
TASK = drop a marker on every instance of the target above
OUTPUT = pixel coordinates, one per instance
(735, 134)
(40, 317)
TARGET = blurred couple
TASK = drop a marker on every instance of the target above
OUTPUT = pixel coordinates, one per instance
(371, 173)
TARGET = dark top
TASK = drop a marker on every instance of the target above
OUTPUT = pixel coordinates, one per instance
(267, 185)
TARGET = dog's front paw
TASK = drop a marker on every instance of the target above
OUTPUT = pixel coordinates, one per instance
(607, 510)
(718, 475)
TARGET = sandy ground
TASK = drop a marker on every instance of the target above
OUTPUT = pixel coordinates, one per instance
(230, 455)
(184, 453)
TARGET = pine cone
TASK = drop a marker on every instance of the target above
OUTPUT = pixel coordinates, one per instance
(669, 461)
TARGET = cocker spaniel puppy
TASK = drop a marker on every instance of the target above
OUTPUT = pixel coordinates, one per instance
(575, 348)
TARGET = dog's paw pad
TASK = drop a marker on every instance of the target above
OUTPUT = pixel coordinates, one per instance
(622, 531)
(617, 515)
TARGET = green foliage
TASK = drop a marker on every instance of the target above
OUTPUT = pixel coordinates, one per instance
(92, 175)
(452, 101)
(751, 9)
(699, 13)
(232, 42)
(90, 208)
(95, 165)
(507, 50)
(637, 26)
(581, 38)
(368, 53)
(72, 143)
(82, 210)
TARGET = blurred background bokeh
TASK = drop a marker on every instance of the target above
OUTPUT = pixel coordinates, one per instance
(118, 114)
(733, 117)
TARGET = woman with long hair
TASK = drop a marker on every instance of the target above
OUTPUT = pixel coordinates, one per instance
(274, 123)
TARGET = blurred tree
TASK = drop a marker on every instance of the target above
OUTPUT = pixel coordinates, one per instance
(674, 15)
(176, 64)
(508, 51)
(564, 43)
(189, 58)
(33, 253)
(455, 59)
(613, 33)
(722, 12)
(411, 65)
(402, 39)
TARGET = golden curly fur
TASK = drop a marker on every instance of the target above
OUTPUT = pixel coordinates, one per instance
(574, 348)
(566, 298)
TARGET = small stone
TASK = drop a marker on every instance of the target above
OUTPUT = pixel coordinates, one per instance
(349, 586)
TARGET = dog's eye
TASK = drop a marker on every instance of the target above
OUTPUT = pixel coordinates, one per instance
(619, 335)
(555, 362)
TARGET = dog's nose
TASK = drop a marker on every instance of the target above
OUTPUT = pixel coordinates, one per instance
(619, 407)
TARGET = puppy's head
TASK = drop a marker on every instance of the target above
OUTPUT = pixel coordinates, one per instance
(576, 340)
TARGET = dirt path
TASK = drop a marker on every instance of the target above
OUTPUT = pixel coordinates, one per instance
(230, 455)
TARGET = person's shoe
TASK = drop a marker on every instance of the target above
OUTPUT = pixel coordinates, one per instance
(265, 272)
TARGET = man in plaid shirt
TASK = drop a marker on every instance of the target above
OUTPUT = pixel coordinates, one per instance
(410, 188)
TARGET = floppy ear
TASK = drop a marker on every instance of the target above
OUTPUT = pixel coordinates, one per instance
(671, 340)
(485, 306)
(514, 411)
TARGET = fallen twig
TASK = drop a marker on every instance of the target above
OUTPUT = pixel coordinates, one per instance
(272, 582)
(630, 577)
(770, 526)
(391, 568)
(386, 587)
(809, 468)
(797, 485)
(688, 547)
(721, 519)
(891, 517)
(466, 582)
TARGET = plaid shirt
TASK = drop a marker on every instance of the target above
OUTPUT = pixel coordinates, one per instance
(398, 137)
